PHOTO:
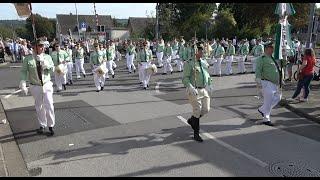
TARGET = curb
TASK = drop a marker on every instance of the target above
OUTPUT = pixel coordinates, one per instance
(4, 64)
(298, 111)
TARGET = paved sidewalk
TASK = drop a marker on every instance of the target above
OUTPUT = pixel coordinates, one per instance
(11, 161)
(310, 109)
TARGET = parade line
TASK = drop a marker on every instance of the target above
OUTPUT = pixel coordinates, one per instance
(228, 146)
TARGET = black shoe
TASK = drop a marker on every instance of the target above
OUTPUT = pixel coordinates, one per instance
(191, 122)
(134, 71)
(114, 68)
(97, 90)
(261, 113)
(67, 83)
(197, 137)
(147, 85)
(268, 123)
(145, 88)
(64, 87)
(51, 132)
(164, 73)
(84, 76)
(140, 82)
(71, 82)
(112, 76)
(40, 130)
(102, 88)
(171, 72)
(58, 91)
(130, 72)
(107, 78)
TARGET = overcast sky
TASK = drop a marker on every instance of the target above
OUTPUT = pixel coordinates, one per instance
(117, 10)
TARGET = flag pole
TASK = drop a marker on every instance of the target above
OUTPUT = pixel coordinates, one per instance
(34, 28)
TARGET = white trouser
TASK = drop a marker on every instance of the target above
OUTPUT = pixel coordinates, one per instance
(44, 104)
(180, 64)
(200, 103)
(130, 62)
(114, 65)
(159, 58)
(140, 73)
(167, 64)
(217, 66)
(271, 97)
(60, 78)
(79, 67)
(241, 66)
(254, 63)
(98, 80)
(229, 64)
(145, 76)
(109, 68)
(175, 56)
(69, 67)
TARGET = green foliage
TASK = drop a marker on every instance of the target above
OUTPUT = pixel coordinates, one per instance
(44, 26)
(6, 32)
(225, 24)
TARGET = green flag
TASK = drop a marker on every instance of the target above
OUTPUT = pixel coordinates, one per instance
(284, 8)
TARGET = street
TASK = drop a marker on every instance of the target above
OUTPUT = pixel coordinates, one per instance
(127, 131)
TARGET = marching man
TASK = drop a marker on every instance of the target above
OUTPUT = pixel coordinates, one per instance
(130, 57)
(175, 48)
(36, 69)
(243, 51)
(257, 51)
(97, 60)
(182, 55)
(160, 48)
(167, 59)
(267, 78)
(69, 64)
(60, 59)
(144, 58)
(231, 51)
(109, 52)
(197, 80)
(218, 56)
(79, 60)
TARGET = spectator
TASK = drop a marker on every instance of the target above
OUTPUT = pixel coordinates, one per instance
(306, 71)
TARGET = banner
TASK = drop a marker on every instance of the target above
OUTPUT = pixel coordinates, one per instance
(23, 9)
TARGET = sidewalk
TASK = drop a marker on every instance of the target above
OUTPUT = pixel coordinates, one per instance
(310, 109)
(11, 161)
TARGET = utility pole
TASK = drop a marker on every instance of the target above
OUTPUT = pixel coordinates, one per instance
(157, 21)
(77, 20)
(310, 26)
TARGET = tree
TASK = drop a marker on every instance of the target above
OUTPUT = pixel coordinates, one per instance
(225, 24)
(44, 26)
(5, 32)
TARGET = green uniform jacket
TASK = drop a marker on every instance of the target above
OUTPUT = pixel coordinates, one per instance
(131, 50)
(196, 73)
(63, 56)
(244, 49)
(182, 52)
(190, 53)
(266, 69)
(167, 51)
(144, 55)
(29, 70)
(79, 53)
(175, 46)
(69, 52)
(231, 50)
(258, 50)
(219, 51)
(160, 47)
(97, 57)
(109, 53)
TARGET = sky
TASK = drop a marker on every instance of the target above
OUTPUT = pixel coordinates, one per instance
(117, 10)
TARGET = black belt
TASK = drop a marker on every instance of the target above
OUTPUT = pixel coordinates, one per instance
(199, 87)
(266, 80)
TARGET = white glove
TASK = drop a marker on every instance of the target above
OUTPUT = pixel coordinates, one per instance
(23, 87)
(191, 90)
(40, 58)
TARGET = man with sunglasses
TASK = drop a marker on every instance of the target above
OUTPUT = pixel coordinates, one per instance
(37, 68)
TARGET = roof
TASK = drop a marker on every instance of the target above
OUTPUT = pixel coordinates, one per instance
(69, 21)
(139, 23)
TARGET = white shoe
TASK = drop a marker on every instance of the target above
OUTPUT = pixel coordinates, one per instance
(304, 100)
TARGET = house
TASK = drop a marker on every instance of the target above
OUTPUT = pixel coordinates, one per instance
(67, 25)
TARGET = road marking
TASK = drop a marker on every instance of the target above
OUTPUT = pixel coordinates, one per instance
(9, 95)
(157, 87)
(15, 66)
(228, 146)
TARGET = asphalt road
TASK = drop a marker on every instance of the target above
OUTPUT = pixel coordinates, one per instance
(127, 131)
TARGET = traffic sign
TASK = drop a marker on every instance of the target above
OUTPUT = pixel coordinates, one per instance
(83, 26)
